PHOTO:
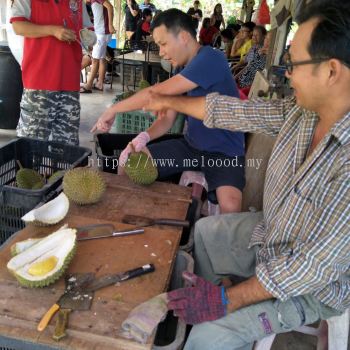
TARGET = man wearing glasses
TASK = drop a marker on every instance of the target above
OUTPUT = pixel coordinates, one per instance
(295, 255)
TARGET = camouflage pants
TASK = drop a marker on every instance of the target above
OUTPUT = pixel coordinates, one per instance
(50, 113)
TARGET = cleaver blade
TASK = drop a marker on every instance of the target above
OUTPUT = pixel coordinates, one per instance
(97, 231)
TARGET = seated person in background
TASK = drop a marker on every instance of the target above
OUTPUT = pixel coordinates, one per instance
(218, 153)
(246, 76)
(143, 28)
(227, 38)
(207, 33)
(244, 41)
(258, 38)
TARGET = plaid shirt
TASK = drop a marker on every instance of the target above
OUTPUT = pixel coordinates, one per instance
(304, 239)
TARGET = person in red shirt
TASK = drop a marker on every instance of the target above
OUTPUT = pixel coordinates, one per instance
(207, 33)
(143, 28)
(50, 104)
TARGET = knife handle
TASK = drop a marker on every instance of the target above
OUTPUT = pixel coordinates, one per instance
(172, 222)
(61, 324)
(138, 271)
(47, 317)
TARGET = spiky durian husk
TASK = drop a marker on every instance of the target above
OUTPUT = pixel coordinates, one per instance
(83, 185)
(141, 169)
(143, 84)
(53, 278)
(55, 176)
(29, 179)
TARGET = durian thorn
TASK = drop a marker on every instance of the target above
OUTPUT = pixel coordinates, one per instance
(19, 164)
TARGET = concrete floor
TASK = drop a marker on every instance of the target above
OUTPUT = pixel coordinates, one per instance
(92, 105)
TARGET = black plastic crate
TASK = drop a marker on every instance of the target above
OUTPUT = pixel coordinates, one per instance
(108, 147)
(46, 157)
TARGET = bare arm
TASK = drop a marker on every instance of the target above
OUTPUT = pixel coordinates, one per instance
(212, 20)
(246, 293)
(174, 86)
(193, 106)
(162, 126)
(132, 11)
(109, 8)
(31, 30)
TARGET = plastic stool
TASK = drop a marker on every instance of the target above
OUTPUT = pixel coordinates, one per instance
(332, 334)
(198, 181)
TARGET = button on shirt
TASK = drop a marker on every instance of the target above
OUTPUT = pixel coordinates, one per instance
(304, 239)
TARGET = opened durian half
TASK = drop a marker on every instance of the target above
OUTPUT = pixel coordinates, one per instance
(45, 261)
(50, 213)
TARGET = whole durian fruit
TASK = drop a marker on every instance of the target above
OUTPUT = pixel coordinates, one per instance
(29, 179)
(127, 94)
(83, 185)
(44, 261)
(55, 176)
(141, 169)
(143, 84)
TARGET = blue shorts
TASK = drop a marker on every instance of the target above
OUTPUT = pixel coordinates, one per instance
(177, 155)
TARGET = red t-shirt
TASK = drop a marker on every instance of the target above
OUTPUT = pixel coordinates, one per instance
(146, 27)
(48, 63)
(206, 35)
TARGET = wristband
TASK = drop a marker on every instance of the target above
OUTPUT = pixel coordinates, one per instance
(224, 299)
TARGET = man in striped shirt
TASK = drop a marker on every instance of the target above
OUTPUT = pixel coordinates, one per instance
(295, 255)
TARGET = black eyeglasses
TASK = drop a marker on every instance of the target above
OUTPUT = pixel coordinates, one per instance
(290, 65)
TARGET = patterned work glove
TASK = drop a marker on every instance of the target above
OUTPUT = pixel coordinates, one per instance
(138, 143)
(202, 302)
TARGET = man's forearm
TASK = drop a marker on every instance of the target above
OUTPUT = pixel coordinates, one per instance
(246, 293)
(162, 126)
(133, 103)
(31, 30)
(193, 106)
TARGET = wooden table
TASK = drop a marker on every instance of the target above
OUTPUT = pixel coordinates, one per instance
(98, 328)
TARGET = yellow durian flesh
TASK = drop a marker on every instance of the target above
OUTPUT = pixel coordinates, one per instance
(42, 267)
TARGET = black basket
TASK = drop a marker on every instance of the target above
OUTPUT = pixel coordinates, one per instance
(46, 157)
(108, 147)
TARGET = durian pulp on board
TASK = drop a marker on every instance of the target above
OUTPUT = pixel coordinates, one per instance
(59, 245)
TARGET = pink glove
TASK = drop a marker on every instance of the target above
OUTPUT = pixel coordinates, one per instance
(138, 143)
